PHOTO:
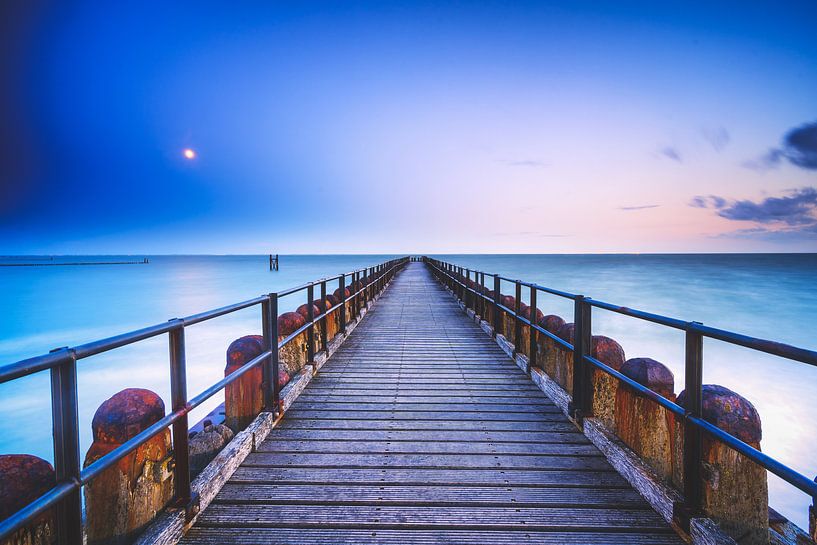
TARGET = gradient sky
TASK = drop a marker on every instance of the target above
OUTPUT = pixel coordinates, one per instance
(408, 127)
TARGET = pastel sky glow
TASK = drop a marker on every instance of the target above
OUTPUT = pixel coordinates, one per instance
(408, 127)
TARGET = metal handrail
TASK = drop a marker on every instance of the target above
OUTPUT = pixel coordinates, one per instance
(62, 363)
(455, 277)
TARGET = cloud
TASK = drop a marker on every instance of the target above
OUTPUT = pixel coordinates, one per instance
(641, 207)
(671, 153)
(527, 234)
(718, 138)
(795, 211)
(525, 163)
(799, 148)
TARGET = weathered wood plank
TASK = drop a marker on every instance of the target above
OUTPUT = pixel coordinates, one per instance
(428, 447)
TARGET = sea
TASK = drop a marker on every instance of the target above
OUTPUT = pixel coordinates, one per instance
(772, 296)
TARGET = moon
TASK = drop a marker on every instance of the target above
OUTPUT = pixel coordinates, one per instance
(189, 154)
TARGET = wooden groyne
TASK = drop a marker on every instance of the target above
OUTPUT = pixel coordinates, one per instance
(144, 261)
(410, 402)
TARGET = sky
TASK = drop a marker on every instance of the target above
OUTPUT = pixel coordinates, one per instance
(365, 127)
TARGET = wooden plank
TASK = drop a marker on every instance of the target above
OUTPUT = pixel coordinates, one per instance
(439, 425)
(453, 407)
(372, 516)
(449, 461)
(481, 416)
(421, 476)
(337, 536)
(574, 437)
(425, 495)
(427, 447)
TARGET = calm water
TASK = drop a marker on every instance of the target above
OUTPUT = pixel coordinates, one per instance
(771, 296)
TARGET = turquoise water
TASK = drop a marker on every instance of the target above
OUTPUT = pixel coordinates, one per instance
(769, 296)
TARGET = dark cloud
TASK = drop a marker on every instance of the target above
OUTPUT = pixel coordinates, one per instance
(671, 153)
(641, 207)
(718, 138)
(799, 148)
(796, 210)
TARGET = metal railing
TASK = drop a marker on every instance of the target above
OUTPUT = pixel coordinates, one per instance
(64, 497)
(477, 296)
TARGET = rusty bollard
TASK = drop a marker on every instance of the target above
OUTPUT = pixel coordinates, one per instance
(294, 354)
(339, 297)
(303, 310)
(23, 479)
(563, 359)
(507, 321)
(524, 347)
(546, 358)
(643, 425)
(243, 398)
(122, 500)
(735, 490)
(333, 320)
(610, 353)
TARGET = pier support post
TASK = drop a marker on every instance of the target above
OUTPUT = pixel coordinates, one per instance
(610, 353)
(548, 351)
(293, 356)
(734, 489)
(124, 498)
(24, 478)
(645, 426)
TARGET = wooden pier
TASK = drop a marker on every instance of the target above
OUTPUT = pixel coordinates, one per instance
(421, 430)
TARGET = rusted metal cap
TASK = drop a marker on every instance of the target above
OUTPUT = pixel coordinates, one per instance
(332, 299)
(323, 304)
(567, 332)
(289, 322)
(337, 293)
(507, 301)
(608, 351)
(551, 323)
(23, 479)
(126, 414)
(654, 375)
(729, 411)
(539, 315)
(303, 310)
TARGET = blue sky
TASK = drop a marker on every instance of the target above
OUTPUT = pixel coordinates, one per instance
(428, 127)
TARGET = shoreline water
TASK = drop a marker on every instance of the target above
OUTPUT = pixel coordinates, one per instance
(765, 295)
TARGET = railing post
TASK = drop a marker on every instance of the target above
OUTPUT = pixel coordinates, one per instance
(66, 448)
(269, 313)
(468, 294)
(325, 324)
(178, 398)
(481, 291)
(342, 287)
(497, 299)
(517, 330)
(532, 349)
(693, 386)
(310, 315)
(582, 382)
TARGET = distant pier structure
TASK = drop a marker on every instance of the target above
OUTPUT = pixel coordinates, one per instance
(273, 262)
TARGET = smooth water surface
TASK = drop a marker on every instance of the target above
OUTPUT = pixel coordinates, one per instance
(769, 296)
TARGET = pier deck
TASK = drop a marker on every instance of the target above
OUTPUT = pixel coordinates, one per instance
(420, 430)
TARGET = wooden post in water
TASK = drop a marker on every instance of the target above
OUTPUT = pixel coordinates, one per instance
(24, 478)
(273, 262)
(123, 499)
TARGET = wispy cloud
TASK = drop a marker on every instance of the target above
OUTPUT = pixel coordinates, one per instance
(640, 207)
(718, 137)
(799, 148)
(528, 234)
(776, 218)
(671, 152)
(534, 163)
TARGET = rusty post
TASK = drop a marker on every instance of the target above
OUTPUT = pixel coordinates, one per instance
(244, 397)
(23, 479)
(645, 426)
(341, 292)
(610, 353)
(124, 498)
(563, 358)
(497, 298)
(734, 490)
(533, 318)
(292, 356)
(548, 352)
